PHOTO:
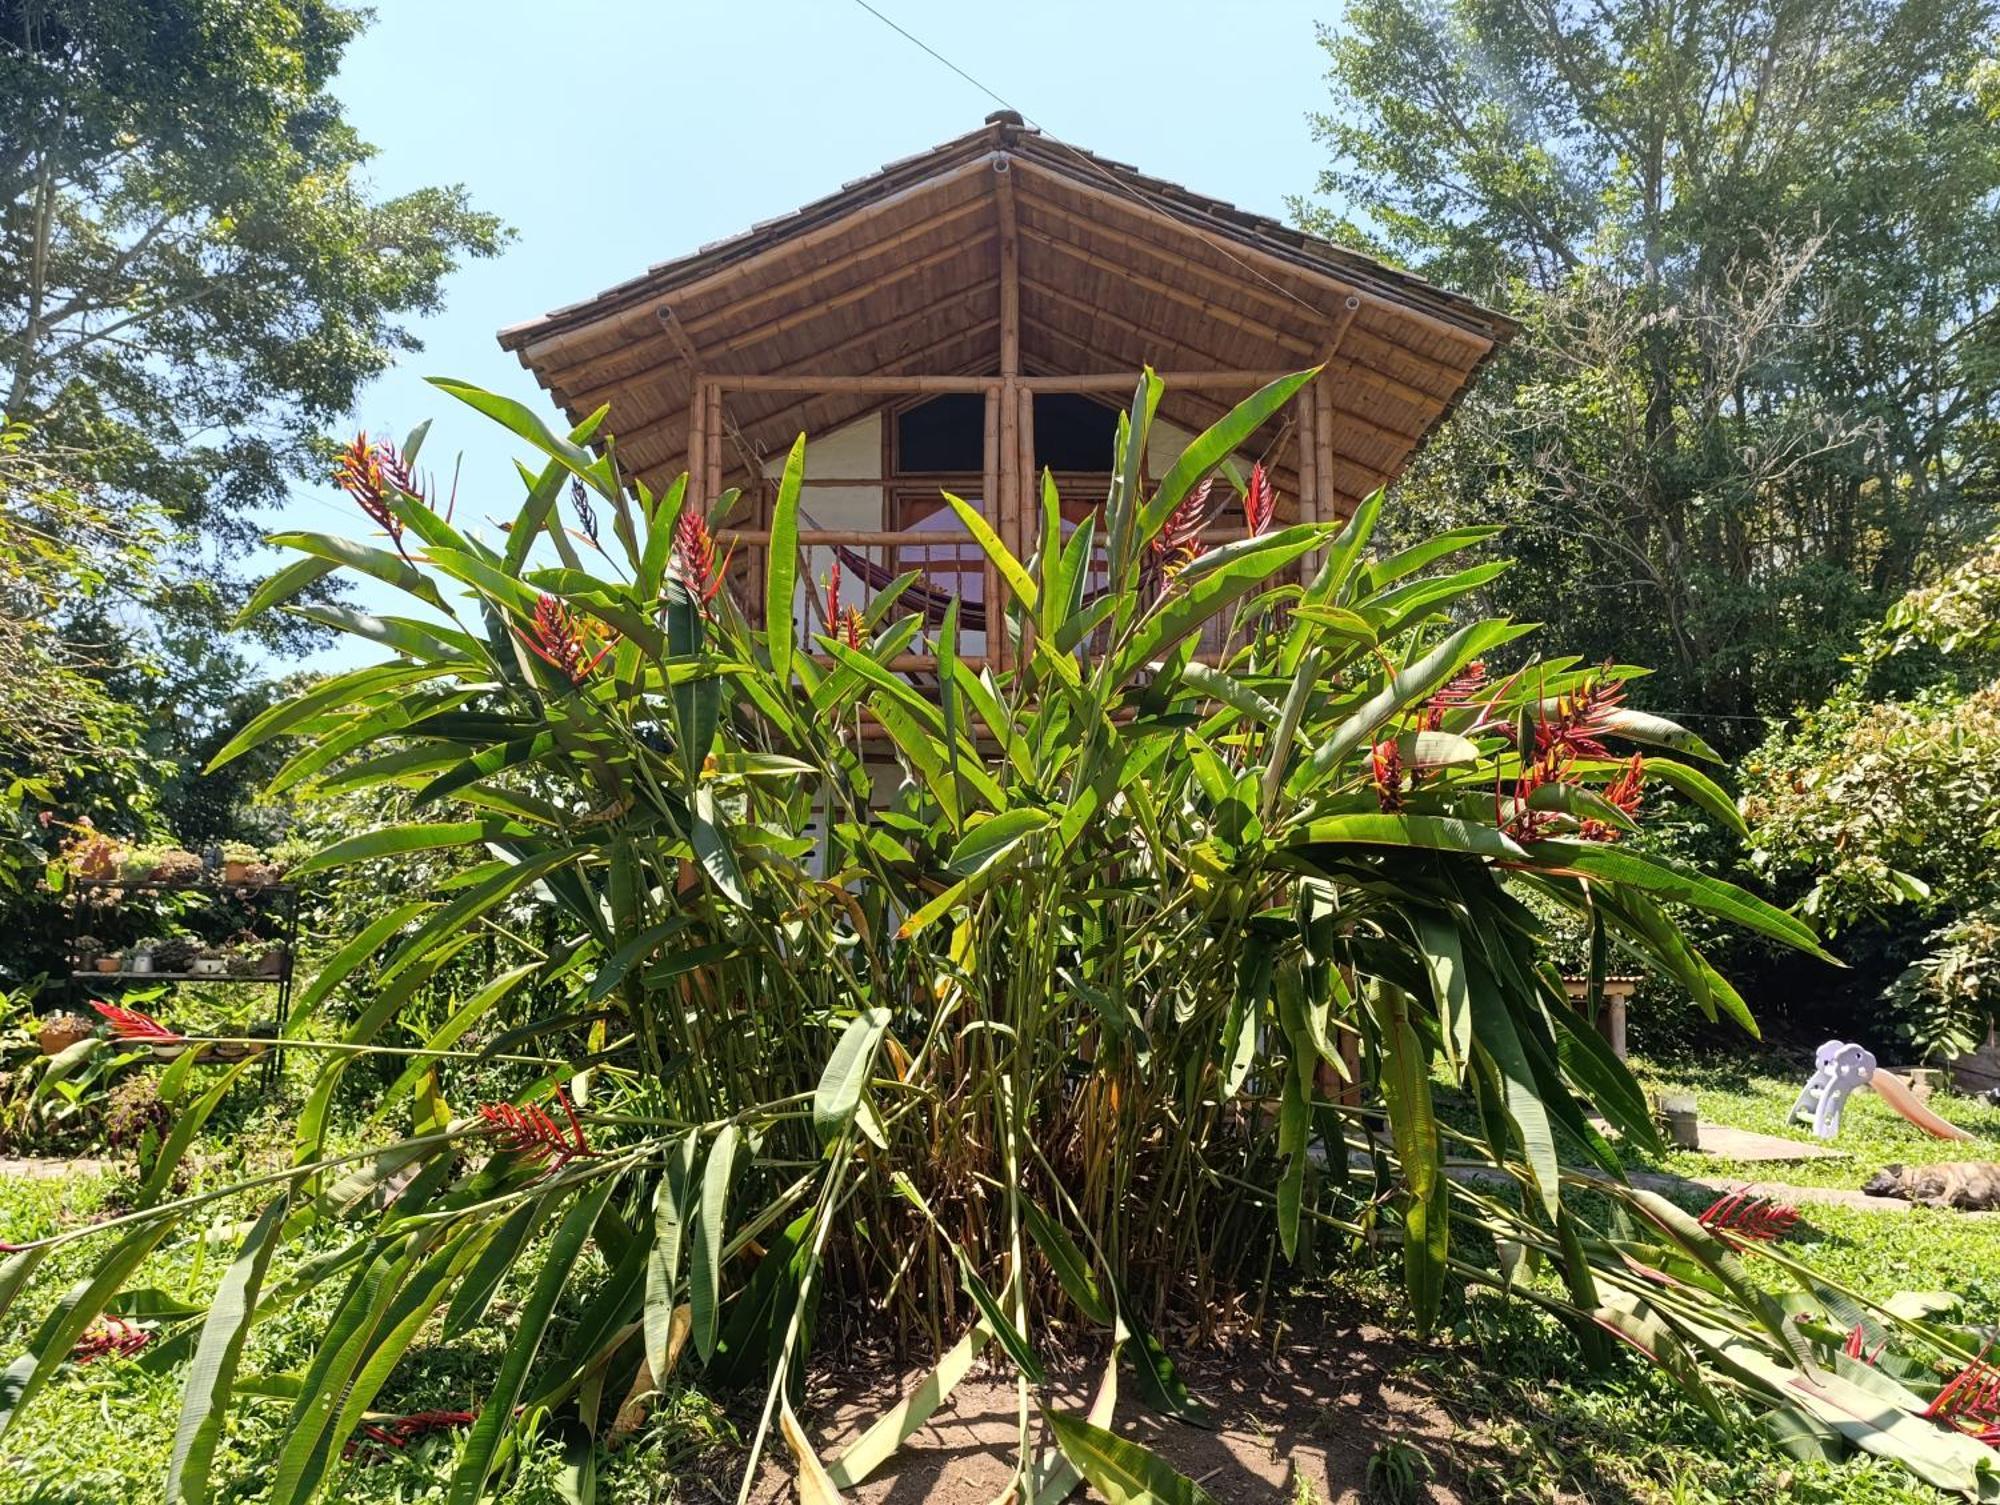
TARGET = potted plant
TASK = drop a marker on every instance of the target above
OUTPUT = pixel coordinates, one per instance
(140, 864)
(88, 949)
(139, 956)
(238, 858)
(92, 854)
(243, 962)
(58, 1032)
(210, 962)
(176, 865)
(175, 954)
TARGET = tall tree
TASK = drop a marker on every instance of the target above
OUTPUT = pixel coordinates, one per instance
(195, 278)
(1757, 248)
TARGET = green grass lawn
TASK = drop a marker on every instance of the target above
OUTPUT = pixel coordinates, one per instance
(102, 1433)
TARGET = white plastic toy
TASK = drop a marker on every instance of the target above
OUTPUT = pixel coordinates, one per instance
(1840, 1068)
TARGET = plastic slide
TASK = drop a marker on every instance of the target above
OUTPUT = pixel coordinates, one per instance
(1893, 1090)
(1840, 1068)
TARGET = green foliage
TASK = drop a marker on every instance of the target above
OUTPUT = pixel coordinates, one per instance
(1886, 811)
(1754, 252)
(1096, 955)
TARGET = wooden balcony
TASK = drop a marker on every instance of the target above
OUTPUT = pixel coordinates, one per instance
(948, 561)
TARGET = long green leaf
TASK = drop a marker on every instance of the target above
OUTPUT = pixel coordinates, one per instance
(205, 1399)
(848, 1069)
(1123, 1472)
(496, 1417)
(711, 1222)
(781, 564)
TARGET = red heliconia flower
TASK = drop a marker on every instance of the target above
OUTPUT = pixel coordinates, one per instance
(130, 1024)
(107, 1336)
(562, 642)
(694, 551)
(533, 1135)
(1625, 793)
(1739, 1215)
(1179, 539)
(401, 1431)
(1580, 721)
(373, 473)
(1459, 692)
(844, 623)
(1260, 501)
(1971, 1402)
(1385, 768)
(1856, 1346)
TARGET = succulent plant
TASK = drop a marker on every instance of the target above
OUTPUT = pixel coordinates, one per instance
(176, 865)
(175, 954)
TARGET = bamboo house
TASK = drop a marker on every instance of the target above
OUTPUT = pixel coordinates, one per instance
(967, 317)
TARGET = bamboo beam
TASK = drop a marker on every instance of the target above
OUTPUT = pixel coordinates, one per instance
(806, 281)
(786, 381)
(645, 430)
(742, 340)
(852, 538)
(1124, 381)
(1369, 426)
(1010, 269)
(636, 319)
(1351, 365)
(648, 378)
(1194, 302)
(1244, 252)
(1098, 313)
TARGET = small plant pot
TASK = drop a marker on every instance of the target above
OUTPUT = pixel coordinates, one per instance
(209, 966)
(109, 962)
(59, 1032)
(272, 963)
(1682, 1121)
(141, 964)
(236, 870)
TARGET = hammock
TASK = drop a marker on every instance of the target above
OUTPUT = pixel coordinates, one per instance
(929, 599)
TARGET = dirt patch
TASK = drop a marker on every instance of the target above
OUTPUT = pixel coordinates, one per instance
(1314, 1405)
(31, 1168)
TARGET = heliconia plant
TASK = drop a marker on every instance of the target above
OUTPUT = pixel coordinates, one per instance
(1086, 1018)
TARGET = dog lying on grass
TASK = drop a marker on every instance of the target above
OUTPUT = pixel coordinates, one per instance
(1970, 1185)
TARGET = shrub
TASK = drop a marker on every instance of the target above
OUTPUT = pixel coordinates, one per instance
(1056, 1031)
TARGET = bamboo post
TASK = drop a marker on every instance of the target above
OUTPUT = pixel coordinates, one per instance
(697, 447)
(1322, 392)
(1026, 502)
(1010, 270)
(712, 436)
(1008, 520)
(989, 492)
(1308, 472)
(1000, 509)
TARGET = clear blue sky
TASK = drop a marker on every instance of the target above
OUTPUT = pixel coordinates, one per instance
(614, 134)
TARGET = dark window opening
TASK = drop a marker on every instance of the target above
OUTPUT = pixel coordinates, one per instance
(948, 433)
(1074, 433)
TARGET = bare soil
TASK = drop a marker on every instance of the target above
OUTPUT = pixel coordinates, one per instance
(1315, 1405)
